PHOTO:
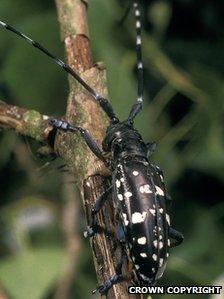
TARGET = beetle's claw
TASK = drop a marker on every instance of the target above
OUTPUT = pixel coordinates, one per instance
(90, 232)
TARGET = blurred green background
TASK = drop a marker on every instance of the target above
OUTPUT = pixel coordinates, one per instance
(183, 49)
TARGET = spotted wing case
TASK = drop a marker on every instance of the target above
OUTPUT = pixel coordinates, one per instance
(141, 198)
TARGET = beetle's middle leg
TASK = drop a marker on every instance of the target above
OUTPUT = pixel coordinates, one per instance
(94, 228)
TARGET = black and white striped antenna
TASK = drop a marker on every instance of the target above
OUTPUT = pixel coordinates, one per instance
(138, 105)
(106, 106)
(104, 103)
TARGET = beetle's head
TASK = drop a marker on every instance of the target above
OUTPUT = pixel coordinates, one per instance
(116, 132)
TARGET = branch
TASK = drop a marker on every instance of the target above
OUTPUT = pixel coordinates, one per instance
(26, 122)
(89, 172)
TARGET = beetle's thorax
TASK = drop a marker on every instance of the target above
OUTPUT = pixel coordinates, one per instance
(123, 141)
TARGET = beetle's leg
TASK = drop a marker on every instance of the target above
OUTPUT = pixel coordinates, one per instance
(116, 277)
(93, 228)
(177, 236)
(65, 126)
(151, 147)
(120, 234)
(104, 288)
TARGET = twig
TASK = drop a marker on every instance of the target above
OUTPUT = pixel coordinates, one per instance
(26, 122)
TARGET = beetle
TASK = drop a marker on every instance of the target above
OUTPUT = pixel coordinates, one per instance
(137, 185)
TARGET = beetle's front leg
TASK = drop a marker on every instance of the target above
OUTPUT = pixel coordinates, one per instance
(94, 228)
(67, 127)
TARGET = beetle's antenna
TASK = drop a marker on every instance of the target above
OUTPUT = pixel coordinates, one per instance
(105, 105)
(138, 105)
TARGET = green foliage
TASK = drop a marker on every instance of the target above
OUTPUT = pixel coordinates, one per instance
(31, 274)
(183, 112)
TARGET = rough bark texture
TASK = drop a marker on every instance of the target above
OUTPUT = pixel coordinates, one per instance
(27, 122)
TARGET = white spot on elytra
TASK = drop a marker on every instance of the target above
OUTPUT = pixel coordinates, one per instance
(135, 173)
(160, 237)
(141, 240)
(159, 191)
(145, 189)
(142, 254)
(118, 183)
(160, 262)
(168, 242)
(122, 180)
(88, 184)
(127, 194)
(152, 211)
(155, 243)
(154, 256)
(125, 219)
(160, 245)
(153, 270)
(120, 197)
(137, 266)
(168, 219)
(138, 217)
(161, 210)
(167, 255)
